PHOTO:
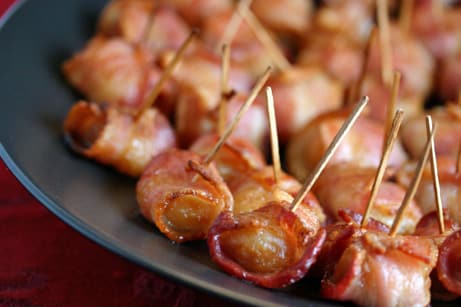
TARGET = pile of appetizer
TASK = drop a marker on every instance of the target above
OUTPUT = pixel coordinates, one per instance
(362, 98)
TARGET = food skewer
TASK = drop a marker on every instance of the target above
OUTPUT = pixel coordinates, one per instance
(385, 41)
(393, 102)
(150, 99)
(273, 135)
(225, 91)
(413, 185)
(314, 175)
(230, 128)
(383, 164)
(435, 177)
(233, 25)
(264, 37)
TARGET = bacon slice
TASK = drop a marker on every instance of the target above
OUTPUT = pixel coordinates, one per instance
(195, 12)
(449, 75)
(362, 146)
(346, 186)
(197, 115)
(447, 137)
(378, 270)
(450, 184)
(448, 265)
(339, 56)
(439, 32)
(159, 28)
(410, 58)
(254, 189)
(300, 94)
(118, 139)
(112, 71)
(269, 246)
(246, 49)
(295, 20)
(236, 156)
(181, 195)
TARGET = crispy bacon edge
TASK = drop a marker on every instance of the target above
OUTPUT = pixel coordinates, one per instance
(226, 221)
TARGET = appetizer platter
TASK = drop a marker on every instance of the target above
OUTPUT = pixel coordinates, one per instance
(271, 160)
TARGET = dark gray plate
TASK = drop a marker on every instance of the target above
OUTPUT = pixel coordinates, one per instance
(96, 201)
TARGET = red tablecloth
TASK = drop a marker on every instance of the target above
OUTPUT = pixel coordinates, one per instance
(44, 262)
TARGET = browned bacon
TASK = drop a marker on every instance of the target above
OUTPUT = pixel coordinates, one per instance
(346, 186)
(300, 94)
(378, 270)
(112, 71)
(182, 195)
(236, 156)
(142, 21)
(269, 246)
(109, 136)
(362, 146)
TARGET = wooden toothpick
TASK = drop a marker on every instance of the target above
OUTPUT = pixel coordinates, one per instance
(266, 40)
(224, 96)
(406, 12)
(314, 175)
(273, 135)
(234, 23)
(357, 89)
(230, 128)
(150, 99)
(385, 42)
(392, 104)
(435, 177)
(383, 164)
(413, 185)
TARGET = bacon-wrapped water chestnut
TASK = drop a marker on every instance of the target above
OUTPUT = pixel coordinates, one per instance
(300, 94)
(352, 188)
(448, 135)
(182, 195)
(113, 71)
(109, 136)
(157, 27)
(237, 156)
(362, 146)
(376, 269)
(270, 246)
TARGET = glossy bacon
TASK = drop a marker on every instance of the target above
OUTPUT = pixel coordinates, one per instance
(450, 184)
(142, 21)
(346, 186)
(236, 156)
(198, 11)
(118, 139)
(246, 50)
(440, 33)
(378, 270)
(446, 268)
(447, 137)
(181, 195)
(362, 146)
(295, 20)
(193, 118)
(254, 189)
(410, 58)
(380, 97)
(300, 94)
(448, 265)
(339, 56)
(447, 78)
(351, 19)
(269, 246)
(112, 71)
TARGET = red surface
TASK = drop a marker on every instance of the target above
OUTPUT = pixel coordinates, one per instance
(44, 262)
